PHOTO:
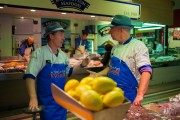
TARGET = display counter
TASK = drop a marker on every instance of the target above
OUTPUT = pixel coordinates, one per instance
(163, 84)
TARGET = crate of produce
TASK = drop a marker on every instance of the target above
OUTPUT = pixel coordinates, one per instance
(71, 104)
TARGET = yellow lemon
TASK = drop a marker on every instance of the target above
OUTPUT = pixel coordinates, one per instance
(103, 84)
(73, 94)
(71, 85)
(87, 80)
(118, 89)
(81, 88)
(113, 98)
(91, 100)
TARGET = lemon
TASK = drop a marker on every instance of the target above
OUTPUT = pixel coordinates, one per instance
(81, 88)
(118, 89)
(87, 80)
(71, 85)
(73, 94)
(91, 100)
(103, 84)
(113, 98)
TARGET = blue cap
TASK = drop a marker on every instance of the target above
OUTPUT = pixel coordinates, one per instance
(121, 21)
(53, 27)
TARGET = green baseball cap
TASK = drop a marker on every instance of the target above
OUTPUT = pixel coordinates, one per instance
(53, 27)
(121, 21)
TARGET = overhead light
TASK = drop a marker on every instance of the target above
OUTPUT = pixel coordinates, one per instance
(93, 16)
(1, 7)
(63, 13)
(178, 28)
(32, 10)
(22, 17)
(136, 27)
(151, 28)
(152, 24)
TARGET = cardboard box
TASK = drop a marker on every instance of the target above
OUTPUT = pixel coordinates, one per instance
(63, 99)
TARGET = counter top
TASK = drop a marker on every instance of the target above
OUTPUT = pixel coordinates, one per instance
(167, 63)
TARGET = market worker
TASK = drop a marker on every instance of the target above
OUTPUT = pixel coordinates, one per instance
(81, 43)
(129, 65)
(26, 48)
(48, 64)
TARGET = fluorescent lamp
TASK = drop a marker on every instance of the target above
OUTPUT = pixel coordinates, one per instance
(151, 24)
(1, 7)
(137, 27)
(22, 17)
(152, 28)
(32, 10)
(63, 13)
(93, 16)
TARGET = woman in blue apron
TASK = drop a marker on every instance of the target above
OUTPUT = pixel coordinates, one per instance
(48, 64)
(26, 48)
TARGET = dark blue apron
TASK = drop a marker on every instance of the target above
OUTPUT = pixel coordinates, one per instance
(51, 73)
(122, 75)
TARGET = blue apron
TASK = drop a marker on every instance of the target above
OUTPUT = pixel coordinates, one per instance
(51, 73)
(122, 75)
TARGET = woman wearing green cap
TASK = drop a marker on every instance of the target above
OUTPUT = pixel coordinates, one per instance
(131, 58)
(48, 64)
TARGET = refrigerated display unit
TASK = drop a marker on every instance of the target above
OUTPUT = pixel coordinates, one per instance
(90, 45)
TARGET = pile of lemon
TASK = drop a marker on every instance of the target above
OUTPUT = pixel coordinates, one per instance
(95, 93)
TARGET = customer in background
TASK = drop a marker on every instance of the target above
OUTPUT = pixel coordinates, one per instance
(129, 66)
(48, 64)
(107, 54)
(159, 47)
(81, 43)
(26, 48)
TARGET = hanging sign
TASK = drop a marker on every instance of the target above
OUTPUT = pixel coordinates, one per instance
(76, 4)
(104, 30)
(96, 7)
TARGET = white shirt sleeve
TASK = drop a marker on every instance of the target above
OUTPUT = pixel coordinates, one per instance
(35, 64)
(141, 55)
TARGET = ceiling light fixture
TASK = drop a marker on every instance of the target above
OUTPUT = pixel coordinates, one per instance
(1, 7)
(93, 16)
(136, 27)
(152, 24)
(22, 17)
(32, 10)
(151, 28)
(63, 13)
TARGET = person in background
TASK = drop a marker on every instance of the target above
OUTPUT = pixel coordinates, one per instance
(27, 47)
(159, 47)
(81, 44)
(48, 64)
(107, 54)
(129, 66)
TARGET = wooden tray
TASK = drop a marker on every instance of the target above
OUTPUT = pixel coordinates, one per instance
(63, 99)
